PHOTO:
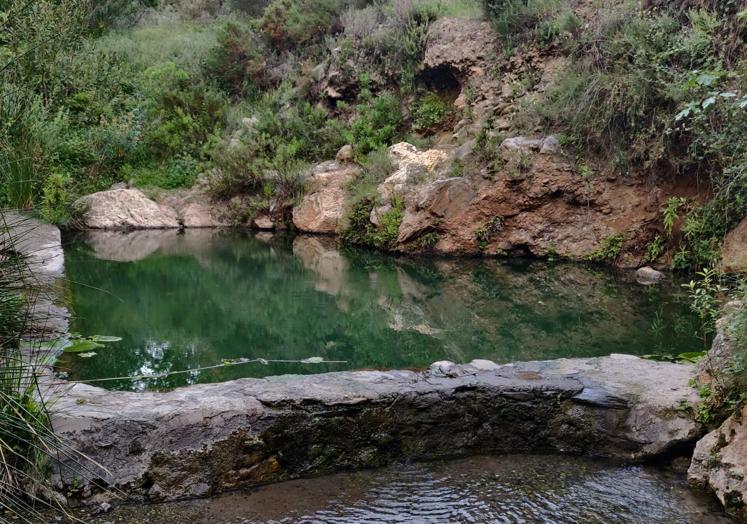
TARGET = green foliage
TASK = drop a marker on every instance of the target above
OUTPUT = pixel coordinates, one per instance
(655, 249)
(271, 153)
(429, 111)
(240, 61)
(671, 213)
(628, 75)
(377, 123)
(705, 294)
(361, 232)
(292, 23)
(56, 199)
(609, 249)
(428, 240)
(180, 171)
(515, 21)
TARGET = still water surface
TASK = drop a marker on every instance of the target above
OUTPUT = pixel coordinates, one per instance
(187, 300)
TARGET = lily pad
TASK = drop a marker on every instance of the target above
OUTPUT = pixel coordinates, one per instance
(104, 338)
(82, 346)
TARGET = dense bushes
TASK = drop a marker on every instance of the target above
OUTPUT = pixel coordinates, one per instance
(138, 92)
(655, 92)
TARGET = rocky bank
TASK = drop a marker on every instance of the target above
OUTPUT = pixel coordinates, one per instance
(720, 458)
(204, 439)
(485, 186)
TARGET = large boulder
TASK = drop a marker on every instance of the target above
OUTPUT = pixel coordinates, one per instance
(720, 462)
(466, 47)
(124, 209)
(734, 252)
(323, 206)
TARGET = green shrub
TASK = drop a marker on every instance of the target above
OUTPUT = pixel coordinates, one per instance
(56, 199)
(626, 79)
(515, 20)
(428, 240)
(292, 23)
(609, 249)
(429, 111)
(377, 123)
(180, 171)
(360, 231)
(285, 135)
(484, 233)
(240, 61)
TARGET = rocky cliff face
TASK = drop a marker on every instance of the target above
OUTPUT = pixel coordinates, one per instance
(543, 208)
(473, 193)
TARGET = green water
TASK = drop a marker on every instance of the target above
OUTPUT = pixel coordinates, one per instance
(182, 301)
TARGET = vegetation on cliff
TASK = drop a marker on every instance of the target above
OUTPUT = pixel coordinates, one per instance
(251, 93)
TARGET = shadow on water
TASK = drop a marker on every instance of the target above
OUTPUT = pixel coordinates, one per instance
(183, 300)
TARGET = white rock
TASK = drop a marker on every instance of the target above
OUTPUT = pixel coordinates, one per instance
(648, 276)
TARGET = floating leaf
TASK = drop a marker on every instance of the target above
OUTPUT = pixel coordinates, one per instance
(82, 346)
(313, 360)
(105, 338)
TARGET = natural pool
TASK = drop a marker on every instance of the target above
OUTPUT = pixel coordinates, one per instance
(480, 490)
(193, 299)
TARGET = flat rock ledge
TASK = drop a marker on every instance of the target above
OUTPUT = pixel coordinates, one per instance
(200, 440)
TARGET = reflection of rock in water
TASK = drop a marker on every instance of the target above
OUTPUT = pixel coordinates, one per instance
(320, 255)
(41, 246)
(132, 246)
(128, 247)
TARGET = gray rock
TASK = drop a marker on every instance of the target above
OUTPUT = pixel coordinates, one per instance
(345, 154)
(263, 222)
(465, 150)
(720, 463)
(522, 143)
(124, 209)
(253, 431)
(41, 245)
(551, 146)
(648, 276)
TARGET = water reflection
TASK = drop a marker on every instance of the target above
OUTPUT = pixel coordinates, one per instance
(191, 299)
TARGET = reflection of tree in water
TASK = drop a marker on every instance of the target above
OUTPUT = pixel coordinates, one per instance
(206, 296)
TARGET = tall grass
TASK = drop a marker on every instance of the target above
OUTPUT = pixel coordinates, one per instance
(28, 443)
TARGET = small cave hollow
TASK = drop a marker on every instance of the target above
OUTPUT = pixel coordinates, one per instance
(442, 80)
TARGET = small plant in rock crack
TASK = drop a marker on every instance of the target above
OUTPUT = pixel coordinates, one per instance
(486, 232)
(609, 249)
